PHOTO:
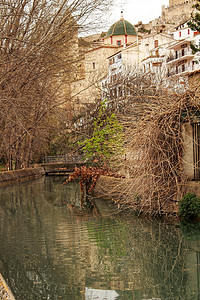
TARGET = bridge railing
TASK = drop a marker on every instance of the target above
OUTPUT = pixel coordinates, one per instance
(64, 158)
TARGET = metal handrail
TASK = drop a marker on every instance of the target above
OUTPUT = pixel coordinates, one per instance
(179, 55)
(64, 158)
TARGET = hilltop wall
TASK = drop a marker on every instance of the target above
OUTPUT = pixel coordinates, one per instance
(175, 2)
(178, 13)
(171, 16)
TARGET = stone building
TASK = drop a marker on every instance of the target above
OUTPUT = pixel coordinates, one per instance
(101, 60)
(146, 55)
(93, 64)
(121, 33)
(177, 12)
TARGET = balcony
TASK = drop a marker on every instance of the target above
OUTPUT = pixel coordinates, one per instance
(180, 71)
(181, 55)
(153, 59)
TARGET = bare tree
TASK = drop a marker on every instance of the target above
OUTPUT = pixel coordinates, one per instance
(153, 118)
(38, 51)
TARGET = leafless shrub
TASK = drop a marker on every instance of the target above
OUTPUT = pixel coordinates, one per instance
(153, 118)
(38, 53)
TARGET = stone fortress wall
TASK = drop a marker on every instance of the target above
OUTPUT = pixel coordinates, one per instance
(178, 12)
(175, 2)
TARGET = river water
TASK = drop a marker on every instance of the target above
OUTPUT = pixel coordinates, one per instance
(51, 250)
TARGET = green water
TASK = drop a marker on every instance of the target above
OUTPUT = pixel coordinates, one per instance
(50, 251)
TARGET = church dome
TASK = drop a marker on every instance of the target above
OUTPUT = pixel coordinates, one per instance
(121, 27)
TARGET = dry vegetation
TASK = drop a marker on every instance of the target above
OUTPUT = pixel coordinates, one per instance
(38, 53)
(153, 119)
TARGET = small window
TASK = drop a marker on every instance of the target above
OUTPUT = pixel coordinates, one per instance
(119, 56)
(179, 33)
(119, 43)
(176, 69)
(93, 65)
(183, 68)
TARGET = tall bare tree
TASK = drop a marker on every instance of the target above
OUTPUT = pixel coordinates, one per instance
(38, 51)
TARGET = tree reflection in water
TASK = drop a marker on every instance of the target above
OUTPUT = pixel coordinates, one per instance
(50, 252)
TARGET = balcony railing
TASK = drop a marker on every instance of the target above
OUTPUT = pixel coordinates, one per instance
(180, 55)
(180, 70)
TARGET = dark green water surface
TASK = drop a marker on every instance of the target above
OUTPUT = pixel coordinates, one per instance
(49, 250)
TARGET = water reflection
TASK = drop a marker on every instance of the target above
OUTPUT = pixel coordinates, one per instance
(51, 252)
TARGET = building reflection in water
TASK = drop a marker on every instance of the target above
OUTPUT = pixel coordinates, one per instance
(51, 252)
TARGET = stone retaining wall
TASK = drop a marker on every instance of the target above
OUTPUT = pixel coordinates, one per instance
(178, 13)
(10, 177)
(193, 187)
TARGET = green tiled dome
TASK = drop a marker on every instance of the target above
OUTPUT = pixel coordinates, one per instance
(121, 27)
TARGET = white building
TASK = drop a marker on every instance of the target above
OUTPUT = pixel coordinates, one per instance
(183, 31)
(160, 55)
(147, 55)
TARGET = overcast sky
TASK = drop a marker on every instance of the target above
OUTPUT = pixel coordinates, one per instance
(138, 10)
(134, 11)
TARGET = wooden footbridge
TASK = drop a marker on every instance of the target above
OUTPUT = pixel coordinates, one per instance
(62, 164)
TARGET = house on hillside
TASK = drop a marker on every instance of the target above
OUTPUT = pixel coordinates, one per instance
(86, 88)
(181, 59)
(145, 56)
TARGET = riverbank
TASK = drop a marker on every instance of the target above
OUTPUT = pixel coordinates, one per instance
(39, 170)
(115, 188)
(110, 188)
(10, 177)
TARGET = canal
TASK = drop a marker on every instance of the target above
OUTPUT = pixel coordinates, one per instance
(50, 249)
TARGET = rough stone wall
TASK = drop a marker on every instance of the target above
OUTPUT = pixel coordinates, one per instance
(178, 13)
(175, 2)
(87, 89)
(10, 177)
(188, 166)
(171, 16)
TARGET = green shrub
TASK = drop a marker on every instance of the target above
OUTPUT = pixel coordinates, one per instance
(107, 138)
(189, 206)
